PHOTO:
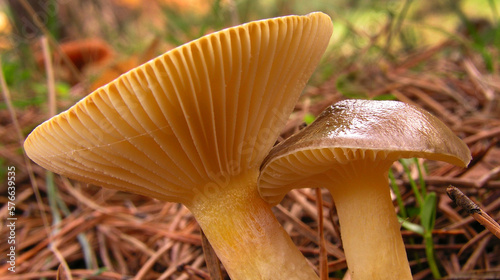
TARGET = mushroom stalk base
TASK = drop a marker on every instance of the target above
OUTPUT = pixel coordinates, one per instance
(245, 234)
(370, 231)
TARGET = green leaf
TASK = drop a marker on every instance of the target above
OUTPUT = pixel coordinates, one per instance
(309, 118)
(428, 212)
(411, 226)
(385, 97)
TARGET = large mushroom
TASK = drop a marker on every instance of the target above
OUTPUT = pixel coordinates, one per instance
(349, 149)
(193, 126)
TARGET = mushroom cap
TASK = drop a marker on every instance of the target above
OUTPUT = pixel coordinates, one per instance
(81, 53)
(195, 115)
(376, 131)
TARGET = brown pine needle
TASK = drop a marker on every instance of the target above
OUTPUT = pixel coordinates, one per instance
(211, 259)
(65, 270)
(20, 138)
(474, 210)
(39, 24)
(323, 257)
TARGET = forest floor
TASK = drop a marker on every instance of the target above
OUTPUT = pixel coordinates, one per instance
(87, 232)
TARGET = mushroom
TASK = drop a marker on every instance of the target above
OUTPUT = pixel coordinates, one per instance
(84, 55)
(193, 126)
(349, 149)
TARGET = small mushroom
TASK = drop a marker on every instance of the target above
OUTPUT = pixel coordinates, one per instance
(84, 54)
(349, 150)
(193, 126)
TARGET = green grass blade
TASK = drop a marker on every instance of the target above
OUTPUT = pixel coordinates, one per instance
(428, 218)
(414, 187)
(397, 192)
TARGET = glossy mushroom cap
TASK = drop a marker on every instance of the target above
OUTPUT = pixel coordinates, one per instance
(349, 150)
(379, 131)
(197, 114)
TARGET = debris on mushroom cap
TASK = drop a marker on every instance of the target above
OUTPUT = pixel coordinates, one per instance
(199, 113)
(350, 129)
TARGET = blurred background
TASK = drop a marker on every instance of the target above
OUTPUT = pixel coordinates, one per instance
(442, 55)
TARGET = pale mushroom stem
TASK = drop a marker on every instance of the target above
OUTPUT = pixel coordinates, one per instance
(245, 234)
(370, 231)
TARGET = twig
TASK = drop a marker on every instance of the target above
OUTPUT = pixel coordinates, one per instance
(474, 210)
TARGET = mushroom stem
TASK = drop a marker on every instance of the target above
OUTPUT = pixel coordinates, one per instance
(371, 236)
(249, 241)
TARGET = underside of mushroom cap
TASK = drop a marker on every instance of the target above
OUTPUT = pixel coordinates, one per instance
(378, 132)
(199, 113)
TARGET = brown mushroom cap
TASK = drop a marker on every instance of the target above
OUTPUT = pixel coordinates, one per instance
(381, 131)
(199, 113)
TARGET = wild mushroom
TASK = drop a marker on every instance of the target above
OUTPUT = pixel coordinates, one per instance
(349, 150)
(85, 55)
(193, 126)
